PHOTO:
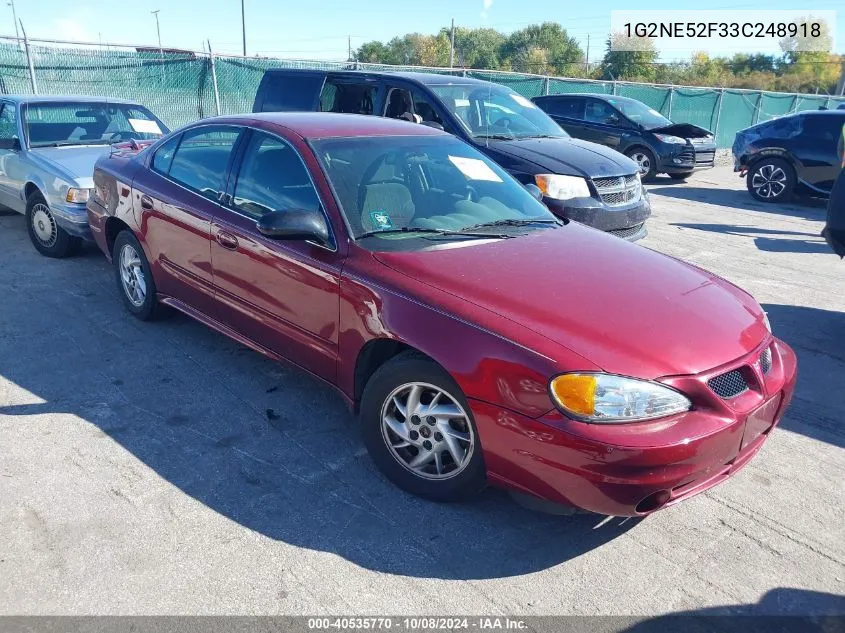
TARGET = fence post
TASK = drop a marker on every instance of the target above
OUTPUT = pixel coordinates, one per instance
(827, 103)
(214, 79)
(794, 105)
(614, 87)
(671, 98)
(755, 118)
(29, 62)
(546, 86)
(719, 113)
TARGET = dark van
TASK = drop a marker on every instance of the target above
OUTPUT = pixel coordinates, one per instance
(579, 180)
(631, 127)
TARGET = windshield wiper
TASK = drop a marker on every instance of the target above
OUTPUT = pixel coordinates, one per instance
(541, 136)
(67, 143)
(497, 137)
(439, 232)
(516, 222)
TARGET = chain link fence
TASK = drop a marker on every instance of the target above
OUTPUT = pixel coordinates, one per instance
(183, 86)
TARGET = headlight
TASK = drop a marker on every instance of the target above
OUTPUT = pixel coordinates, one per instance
(668, 138)
(606, 398)
(562, 187)
(78, 195)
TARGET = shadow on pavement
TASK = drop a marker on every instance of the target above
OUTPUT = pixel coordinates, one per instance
(736, 199)
(261, 444)
(783, 610)
(787, 242)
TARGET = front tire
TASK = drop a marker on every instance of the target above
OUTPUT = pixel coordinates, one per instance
(135, 278)
(646, 162)
(46, 235)
(771, 180)
(418, 429)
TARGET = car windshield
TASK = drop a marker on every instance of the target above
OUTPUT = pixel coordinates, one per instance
(400, 188)
(496, 112)
(640, 113)
(86, 123)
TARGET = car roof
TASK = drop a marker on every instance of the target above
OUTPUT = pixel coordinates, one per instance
(426, 79)
(318, 125)
(64, 98)
(595, 95)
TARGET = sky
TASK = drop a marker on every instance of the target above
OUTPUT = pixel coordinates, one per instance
(319, 29)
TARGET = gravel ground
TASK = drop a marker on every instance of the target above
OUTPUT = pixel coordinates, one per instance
(163, 469)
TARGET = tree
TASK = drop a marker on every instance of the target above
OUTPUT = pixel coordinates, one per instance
(478, 48)
(372, 52)
(542, 48)
(629, 58)
(808, 64)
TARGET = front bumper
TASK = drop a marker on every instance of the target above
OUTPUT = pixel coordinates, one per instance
(626, 221)
(638, 468)
(680, 159)
(73, 218)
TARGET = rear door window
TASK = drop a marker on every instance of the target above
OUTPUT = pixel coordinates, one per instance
(289, 92)
(565, 107)
(598, 111)
(202, 159)
(825, 129)
(348, 97)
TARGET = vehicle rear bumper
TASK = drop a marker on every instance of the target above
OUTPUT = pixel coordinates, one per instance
(97, 218)
(73, 218)
(631, 469)
(626, 221)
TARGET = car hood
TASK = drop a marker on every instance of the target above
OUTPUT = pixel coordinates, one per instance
(684, 130)
(74, 163)
(569, 156)
(626, 308)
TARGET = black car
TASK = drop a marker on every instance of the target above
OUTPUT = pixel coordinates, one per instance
(631, 127)
(579, 180)
(796, 153)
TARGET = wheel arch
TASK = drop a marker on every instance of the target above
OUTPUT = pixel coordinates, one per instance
(775, 152)
(375, 353)
(114, 226)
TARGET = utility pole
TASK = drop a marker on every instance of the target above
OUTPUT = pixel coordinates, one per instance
(452, 46)
(158, 32)
(349, 57)
(243, 24)
(587, 63)
(15, 18)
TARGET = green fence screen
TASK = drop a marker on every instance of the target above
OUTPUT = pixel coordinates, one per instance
(179, 86)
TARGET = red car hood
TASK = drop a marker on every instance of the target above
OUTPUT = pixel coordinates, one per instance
(626, 308)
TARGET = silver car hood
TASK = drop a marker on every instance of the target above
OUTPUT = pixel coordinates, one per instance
(72, 163)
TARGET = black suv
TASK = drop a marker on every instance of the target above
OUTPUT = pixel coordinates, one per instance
(579, 180)
(796, 153)
(629, 126)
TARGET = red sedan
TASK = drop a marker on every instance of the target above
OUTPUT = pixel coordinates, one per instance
(479, 337)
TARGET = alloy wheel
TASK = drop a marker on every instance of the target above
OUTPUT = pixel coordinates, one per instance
(427, 431)
(643, 161)
(769, 181)
(44, 225)
(132, 275)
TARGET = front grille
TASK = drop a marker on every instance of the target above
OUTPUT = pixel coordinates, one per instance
(766, 360)
(626, 233)
(687, 156)
(705, 158)
(618, 191)
(729, 385)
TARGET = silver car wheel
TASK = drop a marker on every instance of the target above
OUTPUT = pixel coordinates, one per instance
(427, 431)
(769, 181)
(44, 225)
(643, 161)
(132, 275)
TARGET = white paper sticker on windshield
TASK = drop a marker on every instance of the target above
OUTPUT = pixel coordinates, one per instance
(474, 169)
(522, 101)
(144, 126)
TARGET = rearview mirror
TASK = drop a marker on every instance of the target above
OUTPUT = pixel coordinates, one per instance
(295, 224)
(10, 143)
(535, 191)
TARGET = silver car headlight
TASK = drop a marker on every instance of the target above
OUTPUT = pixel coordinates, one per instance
(562, 187)
(79, 196)
(607, 398)
(674, 140)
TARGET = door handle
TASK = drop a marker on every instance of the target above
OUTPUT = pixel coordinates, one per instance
(227, 240)
(146, 203)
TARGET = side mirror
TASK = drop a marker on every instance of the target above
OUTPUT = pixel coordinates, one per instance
(295, 224)
(535, 191)
(10, 143)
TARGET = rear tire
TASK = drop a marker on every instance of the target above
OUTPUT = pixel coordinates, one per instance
(425, 443)
(46, 235)
(135, 278)
(645, 160)
(771, 180)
